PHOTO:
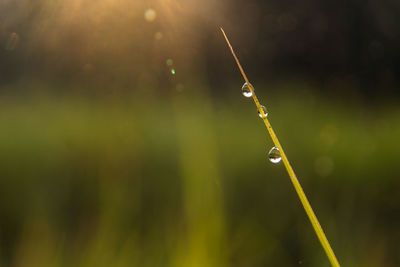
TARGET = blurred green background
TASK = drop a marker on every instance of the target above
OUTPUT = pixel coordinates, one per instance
(125, 140)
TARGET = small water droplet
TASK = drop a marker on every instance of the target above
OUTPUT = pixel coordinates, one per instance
(265, 112)
(274, 155)
(246, 91)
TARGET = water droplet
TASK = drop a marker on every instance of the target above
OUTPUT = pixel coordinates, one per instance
(274, 155)
(246, 91)
(265, 112)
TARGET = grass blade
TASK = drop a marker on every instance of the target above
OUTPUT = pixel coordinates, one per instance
(304, 201)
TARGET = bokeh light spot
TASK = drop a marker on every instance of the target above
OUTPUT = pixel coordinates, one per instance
(376, 50)
(329, 134)
(323, 166)
(287, 22)
(12, 41)
(158, 36)
(150, 15)
(180, 87)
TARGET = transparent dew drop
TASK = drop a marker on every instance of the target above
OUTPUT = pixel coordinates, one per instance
(274, 155)
(246, 91)
(265, 112)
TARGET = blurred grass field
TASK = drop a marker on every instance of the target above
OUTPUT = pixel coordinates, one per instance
(184, 180)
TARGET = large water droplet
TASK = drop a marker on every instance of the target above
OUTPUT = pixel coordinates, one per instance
(246, 91)
(274, 155)
(265, 112)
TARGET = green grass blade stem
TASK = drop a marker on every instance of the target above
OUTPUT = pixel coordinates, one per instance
(311, 215)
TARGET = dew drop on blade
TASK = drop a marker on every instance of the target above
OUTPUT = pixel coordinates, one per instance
(274, 155)
(265, 112)
(246, 91)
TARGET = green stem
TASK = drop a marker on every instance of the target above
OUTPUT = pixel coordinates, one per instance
(299, 190)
